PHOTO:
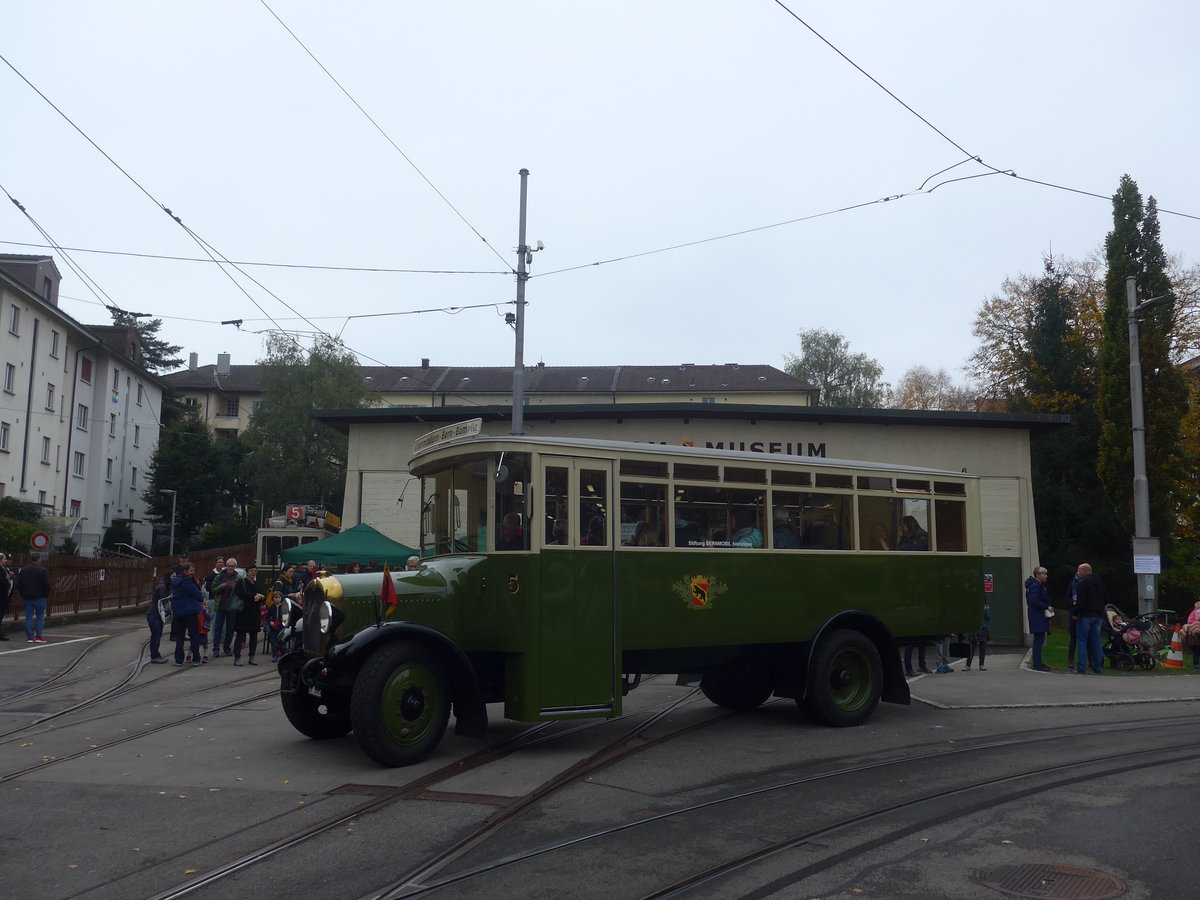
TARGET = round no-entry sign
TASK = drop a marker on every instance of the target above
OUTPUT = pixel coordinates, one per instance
(40, 541)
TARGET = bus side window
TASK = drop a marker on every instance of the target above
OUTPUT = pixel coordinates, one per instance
(511, 478)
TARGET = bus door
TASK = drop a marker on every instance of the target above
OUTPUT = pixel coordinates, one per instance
(577, 618)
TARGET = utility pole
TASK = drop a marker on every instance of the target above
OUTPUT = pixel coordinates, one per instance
(1146, 554)
(523, 257)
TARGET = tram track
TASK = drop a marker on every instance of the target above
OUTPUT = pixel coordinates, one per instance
(417, 882)
(54, 679)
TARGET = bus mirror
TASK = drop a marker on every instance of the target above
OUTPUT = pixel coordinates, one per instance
(501, 474)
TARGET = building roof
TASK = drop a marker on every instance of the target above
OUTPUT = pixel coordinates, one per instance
(1038, 423)
(539, 379)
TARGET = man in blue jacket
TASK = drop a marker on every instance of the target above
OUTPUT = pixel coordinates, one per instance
(1037, 602)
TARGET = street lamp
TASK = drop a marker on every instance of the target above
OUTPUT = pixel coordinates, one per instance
(1147, 561)
(174, 497)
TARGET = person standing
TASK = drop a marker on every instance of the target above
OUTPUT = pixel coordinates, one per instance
(187, 606)
(1071, 620)
(6, 589)
(223, 585)
(249, 617)
(154, 617)
(1037, 602)
(908, 654)
(943, 656)
(33, 583)
(285, 588)
(1091, 596)
(978, 640)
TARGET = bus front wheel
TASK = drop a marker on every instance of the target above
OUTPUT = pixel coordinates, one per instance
(400, 703)
(845, 679)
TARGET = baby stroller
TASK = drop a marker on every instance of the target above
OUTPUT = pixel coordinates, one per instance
(1128, 642)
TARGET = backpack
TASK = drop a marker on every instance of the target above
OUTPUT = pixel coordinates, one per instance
(162, 599)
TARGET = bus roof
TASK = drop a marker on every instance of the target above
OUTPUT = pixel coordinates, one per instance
(583, 446)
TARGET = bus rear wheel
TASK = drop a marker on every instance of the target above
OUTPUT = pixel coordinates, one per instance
(312, 718)
(845, 679)
(746, 687)
(400, 704)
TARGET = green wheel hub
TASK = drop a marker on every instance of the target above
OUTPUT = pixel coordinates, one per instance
(850, 679)
(410, 703)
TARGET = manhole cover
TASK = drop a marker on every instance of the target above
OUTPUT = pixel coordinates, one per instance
(1056, 882)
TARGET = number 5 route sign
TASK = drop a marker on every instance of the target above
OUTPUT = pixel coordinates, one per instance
(40, 541)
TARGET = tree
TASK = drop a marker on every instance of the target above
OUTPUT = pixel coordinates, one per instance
(187, 461)
(157, 354)
(1133, 248)
(922, 388)
(845, 379)
(289, 456)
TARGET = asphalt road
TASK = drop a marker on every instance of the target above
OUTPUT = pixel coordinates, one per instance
(178, 773)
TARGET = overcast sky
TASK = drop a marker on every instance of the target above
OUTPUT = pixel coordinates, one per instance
(645, 125)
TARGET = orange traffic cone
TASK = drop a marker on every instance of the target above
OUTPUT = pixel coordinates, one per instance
(1174, 658)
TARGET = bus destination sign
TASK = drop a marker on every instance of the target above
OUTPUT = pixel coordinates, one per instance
(457, 431)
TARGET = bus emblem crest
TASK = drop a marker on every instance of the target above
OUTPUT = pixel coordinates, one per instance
(699, 591)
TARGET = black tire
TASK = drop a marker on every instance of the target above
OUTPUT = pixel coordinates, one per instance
(846, 678)
(400, 704)
(313, 718)
(747, 687)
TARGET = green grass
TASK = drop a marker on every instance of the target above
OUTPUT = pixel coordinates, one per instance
(1054, 654)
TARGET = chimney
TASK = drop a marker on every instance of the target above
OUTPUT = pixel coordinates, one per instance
(193, 361)
(424, 362)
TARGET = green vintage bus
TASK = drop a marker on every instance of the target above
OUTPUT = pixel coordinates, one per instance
(559, 571)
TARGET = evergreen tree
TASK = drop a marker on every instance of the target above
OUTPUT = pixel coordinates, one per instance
(187, 461)
(1133, 248)
(157, 355)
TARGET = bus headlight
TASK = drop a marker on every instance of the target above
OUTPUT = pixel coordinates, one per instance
(329, 617)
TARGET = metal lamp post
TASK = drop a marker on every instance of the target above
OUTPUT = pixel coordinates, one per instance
(174, 497)
(1147, 561)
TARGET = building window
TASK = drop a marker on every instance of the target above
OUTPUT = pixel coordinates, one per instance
(112, 424)
(231, 407)
(80, 464)
(45, 449)
(105, 523)
(137, 435)
(42, 498)
(49, 396)
(139, 394)
(108, 470)
(75, 510)
(47, 287)
(10, 377)
(133, 480)
(54, 344)
(189, 401)
(116, 380)
(81, 417)
(14, 321)
(4, 429)
(85, 370)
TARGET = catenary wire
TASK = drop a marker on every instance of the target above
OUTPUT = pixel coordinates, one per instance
(315, 267)
(943, 134)
(380, 129)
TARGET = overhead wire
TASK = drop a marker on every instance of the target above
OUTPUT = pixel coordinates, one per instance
(1011, 173)
(313, 266)
(381, 130)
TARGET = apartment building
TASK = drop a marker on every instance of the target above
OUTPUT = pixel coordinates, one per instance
(79, 415)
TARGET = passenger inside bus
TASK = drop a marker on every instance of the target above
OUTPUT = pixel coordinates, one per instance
(746, 532)
(646, 534)
(784, 535)
(512, 535)
(912, 535)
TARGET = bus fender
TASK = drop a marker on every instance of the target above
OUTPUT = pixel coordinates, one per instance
(470, 712)
(895, 685)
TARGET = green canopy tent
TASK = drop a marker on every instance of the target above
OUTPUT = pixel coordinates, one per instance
(362, 544)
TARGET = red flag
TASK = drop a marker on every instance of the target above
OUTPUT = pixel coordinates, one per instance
(388, 593)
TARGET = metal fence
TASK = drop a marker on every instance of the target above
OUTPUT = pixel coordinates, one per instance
(81, 586)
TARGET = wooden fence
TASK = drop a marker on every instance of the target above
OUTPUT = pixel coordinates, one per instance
(109, 585)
